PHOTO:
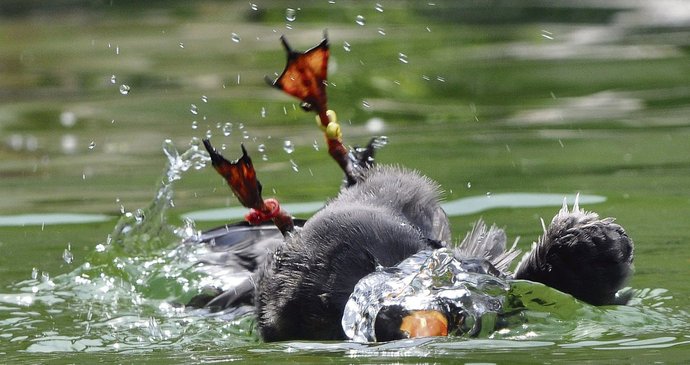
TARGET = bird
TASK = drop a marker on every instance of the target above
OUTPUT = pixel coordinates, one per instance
(301, 282)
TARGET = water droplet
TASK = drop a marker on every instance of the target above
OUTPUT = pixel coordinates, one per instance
(204, 98)
(227, 129)
(290, 14)
(346, 46)
(375, 125)
(195, 125)
(264, 157)
(360, 20)
(67, 256)
(366, 104)
(181, 45)
(382, 31)
(240, 126)
(194, 109)
(68, 119)
(139, 216)
(124, 89)
(294, 166)
(209, 134)
(379, 8)
(235, 38)
(402, 58)
(263, 112)
(380, 142)
(288, 147)
(245, 135)
(488, 194)
(440, 79)
(469, 184)
(546, 34)
(113, 79)
(254, 6)
(92, 145)
(315, 145)
(261, 148)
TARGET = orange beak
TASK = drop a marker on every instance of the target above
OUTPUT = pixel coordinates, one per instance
(424, 323)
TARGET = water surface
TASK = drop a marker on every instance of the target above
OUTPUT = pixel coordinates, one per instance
(542, 99)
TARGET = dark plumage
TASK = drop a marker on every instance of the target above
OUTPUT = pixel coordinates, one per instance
(304, 281)
(386, 217)
(582, 255)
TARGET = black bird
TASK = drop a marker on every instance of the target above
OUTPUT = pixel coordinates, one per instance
(301, 286)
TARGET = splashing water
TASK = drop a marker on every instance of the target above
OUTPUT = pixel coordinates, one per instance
(479, 304)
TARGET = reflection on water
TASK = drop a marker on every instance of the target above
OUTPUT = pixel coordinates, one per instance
(462, 206)
(50, 218)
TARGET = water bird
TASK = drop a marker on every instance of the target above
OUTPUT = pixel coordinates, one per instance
(377, 262)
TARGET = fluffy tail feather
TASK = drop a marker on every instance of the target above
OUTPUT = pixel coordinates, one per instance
(582, 255)
(490, 244)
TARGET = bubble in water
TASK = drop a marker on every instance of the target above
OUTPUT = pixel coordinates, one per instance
(235, 38)
(254, 6)
(346, 46)
(315, 145)
(382, 31)
(290, 14)
(288, 147)
(379, 8)
(261, 148)
(113, 79)
(227, 129)
(195, 125)
(124, 89)
(366, 104)
(92, 145)
(294, 166)
(209, 134)
(245, 135)
(34, 273)
(263, 112)
(402, 58)
(194, 109)
(204, 98)
(488, 194)
(181, 45)
(360, 20)
(469, 184)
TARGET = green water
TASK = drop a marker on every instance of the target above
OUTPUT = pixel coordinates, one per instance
(487, 98)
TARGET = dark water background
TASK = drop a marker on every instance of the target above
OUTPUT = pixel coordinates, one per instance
(490, 98)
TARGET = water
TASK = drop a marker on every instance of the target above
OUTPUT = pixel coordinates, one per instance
(546, 101)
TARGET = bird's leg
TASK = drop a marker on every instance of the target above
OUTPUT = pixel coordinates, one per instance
(305, 77)
(241, 178)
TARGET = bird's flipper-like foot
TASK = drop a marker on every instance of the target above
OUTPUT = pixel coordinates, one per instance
(305, 77)
(241, 178)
